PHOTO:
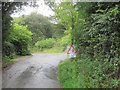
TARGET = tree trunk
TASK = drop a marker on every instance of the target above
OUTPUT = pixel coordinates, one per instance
(72, 27)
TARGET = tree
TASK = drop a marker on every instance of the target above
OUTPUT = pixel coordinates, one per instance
(20, 37)
(97, 37)
(7, 9)
(58, 31)
(67, 15)
(98, 43)
(38, 25)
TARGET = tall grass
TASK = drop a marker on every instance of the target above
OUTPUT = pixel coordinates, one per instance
(76, 73)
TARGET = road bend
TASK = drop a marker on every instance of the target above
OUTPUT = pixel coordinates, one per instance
(36, 71)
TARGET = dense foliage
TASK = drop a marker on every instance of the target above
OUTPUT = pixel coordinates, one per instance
(64, 41)
(22, 33)
(20, 37)
(13, 41)
(9, 8)
(94, 28)
(40, 26)
(96, 35)
(48, 43)
(18, 41)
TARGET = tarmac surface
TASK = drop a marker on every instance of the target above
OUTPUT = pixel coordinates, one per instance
(37, 71)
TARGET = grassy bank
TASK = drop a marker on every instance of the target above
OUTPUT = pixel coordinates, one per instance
(50, 50)
(75, 73)
(71, 76)
(6, 61)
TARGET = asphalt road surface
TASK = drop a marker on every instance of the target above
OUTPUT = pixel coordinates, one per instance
(37, 71)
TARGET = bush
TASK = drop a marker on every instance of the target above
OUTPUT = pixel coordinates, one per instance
(8, 50)
(20, 36)
(7, 60)
(72, 76)
(51, 42)
(98, 38)
(84, 73)
(66, 40)
(63, 42)
(48, 43)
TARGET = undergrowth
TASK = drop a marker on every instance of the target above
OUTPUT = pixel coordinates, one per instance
(49, 50)
(6, 60)
(76, 73)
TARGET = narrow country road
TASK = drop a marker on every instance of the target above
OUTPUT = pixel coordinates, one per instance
(37, 71)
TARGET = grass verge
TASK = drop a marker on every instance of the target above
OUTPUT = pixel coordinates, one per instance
(69, 75)
(50, 50)
(6, 62)
(76, 73)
